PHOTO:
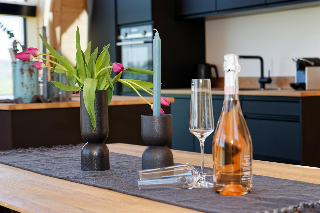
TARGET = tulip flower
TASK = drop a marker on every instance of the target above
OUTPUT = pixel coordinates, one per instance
(161, 110)
(117, 67)
(165, 102)
(24, 56)
(39, 65)
(33, 51)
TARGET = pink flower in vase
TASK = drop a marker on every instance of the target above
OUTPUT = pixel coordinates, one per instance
(164, 102)
(39, 65)
(161, 110)
(24, 56)
(33, 51)
(117, 67)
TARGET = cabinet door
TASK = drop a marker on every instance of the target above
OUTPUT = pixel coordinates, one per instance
(276, 1)
(190, 7)
(130, 11)
(233, 4)
(275, 140)
(182, 138)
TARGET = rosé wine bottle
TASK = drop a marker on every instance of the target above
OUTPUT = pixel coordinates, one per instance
(232, 144)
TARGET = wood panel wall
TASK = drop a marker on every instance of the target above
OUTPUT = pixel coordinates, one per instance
(66, 16)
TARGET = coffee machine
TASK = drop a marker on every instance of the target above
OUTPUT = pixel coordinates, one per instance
(308, 73)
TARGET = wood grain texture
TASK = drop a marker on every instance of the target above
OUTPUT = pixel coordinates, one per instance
(284, 92)
(26, 191)
(116, 101)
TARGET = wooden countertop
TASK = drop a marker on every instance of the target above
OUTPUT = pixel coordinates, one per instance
(25, 191)
(284, 92)
(116, 101)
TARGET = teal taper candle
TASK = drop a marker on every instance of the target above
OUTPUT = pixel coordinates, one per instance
(156, 74)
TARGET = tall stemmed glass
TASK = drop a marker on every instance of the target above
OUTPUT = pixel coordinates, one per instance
(201, 119)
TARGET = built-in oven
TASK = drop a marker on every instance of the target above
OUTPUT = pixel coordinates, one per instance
(135, 50)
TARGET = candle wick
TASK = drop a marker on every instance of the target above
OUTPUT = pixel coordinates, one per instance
(156, 30)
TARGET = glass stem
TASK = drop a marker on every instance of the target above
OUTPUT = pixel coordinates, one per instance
(202, 155)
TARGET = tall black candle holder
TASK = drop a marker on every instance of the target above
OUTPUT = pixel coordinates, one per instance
(156, 132)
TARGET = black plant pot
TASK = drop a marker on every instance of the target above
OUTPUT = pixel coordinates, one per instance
(156, 132)
(95, 153)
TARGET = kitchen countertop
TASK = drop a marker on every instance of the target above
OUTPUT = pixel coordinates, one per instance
(270, 92)
(116, 101)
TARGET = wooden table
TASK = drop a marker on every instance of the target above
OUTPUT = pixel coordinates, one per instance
(26, 191)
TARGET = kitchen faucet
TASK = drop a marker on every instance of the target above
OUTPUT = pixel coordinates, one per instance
(262, 79)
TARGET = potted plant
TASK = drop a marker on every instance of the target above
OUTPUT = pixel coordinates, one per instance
(92, 77)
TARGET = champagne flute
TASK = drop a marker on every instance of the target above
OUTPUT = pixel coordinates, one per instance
(201, 119)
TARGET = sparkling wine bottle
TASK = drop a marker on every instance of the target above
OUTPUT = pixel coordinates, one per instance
(232, 145)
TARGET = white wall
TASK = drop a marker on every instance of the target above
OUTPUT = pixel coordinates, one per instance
(277, 37)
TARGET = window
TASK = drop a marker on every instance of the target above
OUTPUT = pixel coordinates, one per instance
(16, 26)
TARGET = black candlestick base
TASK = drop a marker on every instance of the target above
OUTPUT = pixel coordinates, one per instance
(157, 157)
(95, 157)
(156, 132)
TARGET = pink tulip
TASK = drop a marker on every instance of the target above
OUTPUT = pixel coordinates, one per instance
(33, 51)
(24, 56)
(165, 102)
(39, 65)
(161, 110)
(117, 67)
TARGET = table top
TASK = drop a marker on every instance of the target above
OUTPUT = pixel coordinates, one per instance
(257, 92)
(117, 100)
(26, 191)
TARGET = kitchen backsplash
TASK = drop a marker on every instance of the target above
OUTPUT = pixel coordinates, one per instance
(276, 36)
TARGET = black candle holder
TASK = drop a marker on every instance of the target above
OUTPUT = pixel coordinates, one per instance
(156, 132)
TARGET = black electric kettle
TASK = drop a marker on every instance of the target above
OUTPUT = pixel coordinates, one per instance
(204, 71)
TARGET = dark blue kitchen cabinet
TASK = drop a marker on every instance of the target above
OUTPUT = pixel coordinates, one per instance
(233, 4)
(191, 7)
(283, 129)
(182, 138)
(130, 11)
(275, 140)
(277, 1)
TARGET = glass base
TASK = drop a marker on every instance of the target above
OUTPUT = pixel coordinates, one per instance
(202, 183)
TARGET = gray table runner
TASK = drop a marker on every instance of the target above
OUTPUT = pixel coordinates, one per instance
(268, 193)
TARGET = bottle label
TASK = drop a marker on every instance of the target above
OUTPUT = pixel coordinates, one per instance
(246, 176)
(230, 90)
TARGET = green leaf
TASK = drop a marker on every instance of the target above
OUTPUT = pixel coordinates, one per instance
(110, 93)
(65, 87)
(63, 60)
(104, 80)
(117, 77)
(54, 65)
(71, 79)
(94, 54)
(87, 53)
(79, 58)
(89, 93)
(59, 71)
(91, 68)
(106, 58)
(146, 85)
(139, 71)
(100, 58)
